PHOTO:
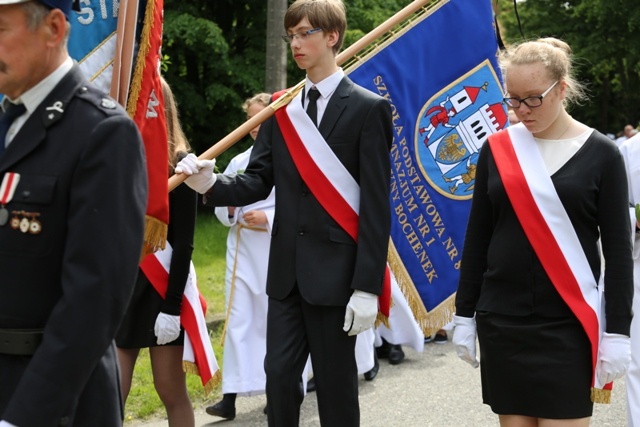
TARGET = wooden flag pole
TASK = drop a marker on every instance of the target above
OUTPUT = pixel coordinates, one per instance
(123, 58)
(226, 142)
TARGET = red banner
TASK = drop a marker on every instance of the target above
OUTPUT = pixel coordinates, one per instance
(146, 106)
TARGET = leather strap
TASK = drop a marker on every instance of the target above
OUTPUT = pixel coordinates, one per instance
(20, 342)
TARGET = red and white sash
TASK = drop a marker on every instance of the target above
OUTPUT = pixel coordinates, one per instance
(198, 356)
(325, 175)
(550, 232)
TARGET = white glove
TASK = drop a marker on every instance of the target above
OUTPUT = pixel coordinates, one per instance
(200, 172)
(464, 339)
(613, 358)
(6, 424)
(361, 312)
(167, 328)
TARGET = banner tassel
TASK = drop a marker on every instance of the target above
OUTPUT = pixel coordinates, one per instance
(599, 395)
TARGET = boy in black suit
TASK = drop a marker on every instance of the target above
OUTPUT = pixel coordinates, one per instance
(332, 220)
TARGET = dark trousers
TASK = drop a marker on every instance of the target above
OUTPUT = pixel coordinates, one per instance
(98, 405)
(296, 329)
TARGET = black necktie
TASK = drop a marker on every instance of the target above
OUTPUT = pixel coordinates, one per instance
(312, 108)
(12, 111)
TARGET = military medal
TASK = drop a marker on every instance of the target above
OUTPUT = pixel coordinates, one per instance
(24, 224)
(35, 226)
(7, 188)
(15, 221)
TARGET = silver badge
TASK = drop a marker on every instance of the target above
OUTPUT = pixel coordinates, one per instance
(108, 103)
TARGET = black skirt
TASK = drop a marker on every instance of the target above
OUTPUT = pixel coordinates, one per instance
(137, 328)
(535, 366)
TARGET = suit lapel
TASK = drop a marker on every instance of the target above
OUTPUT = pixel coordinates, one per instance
(335, 107)
(33, 132)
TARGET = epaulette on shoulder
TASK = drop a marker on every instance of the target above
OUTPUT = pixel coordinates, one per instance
(99, 99)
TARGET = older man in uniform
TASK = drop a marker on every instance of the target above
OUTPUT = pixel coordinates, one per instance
(72, 200)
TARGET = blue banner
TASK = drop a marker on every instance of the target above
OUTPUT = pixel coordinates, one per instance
(93, 39)
(441, 77)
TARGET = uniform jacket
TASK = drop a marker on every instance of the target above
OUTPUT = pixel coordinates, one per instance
(83, 177)
(307, 246)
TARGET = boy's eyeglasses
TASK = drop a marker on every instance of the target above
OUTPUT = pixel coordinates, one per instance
(531, 101)
(301, 35)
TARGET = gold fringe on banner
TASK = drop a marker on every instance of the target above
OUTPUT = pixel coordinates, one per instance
(432, 321)
(381, 319)
(191, 368)
(155, 235)
(145, 44)
(599, 395)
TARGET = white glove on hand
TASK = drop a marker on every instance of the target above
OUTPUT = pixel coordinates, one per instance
(167, 328)
(361, 312)
(200, 172)
(613, 358)
(464, 339)
(6, 424)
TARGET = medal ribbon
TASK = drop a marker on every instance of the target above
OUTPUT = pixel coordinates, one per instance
(8, 187)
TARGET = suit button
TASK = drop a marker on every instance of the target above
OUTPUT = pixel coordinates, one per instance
(64, 421)
(301, 231)
(305, 192)
(26, 194)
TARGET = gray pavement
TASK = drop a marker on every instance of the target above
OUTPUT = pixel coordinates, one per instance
(429, 389)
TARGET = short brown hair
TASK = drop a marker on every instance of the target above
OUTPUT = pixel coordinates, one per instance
(330, 15)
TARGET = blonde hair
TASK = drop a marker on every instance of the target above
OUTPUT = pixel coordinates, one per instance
(262, 98)
(330, 15)
(557, 58)
(176, 139)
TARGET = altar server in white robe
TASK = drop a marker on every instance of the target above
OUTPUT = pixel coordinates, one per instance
(630, 150)
(246, 300)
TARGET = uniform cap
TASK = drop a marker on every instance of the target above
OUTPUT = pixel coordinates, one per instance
(64, 5)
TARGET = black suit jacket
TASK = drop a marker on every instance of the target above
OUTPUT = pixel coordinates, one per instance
(83, 176)
(307, 246)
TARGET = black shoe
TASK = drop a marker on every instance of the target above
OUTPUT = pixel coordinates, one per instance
(440, 337)
(311, 385)
(370, 375)
(265, 410)
(222, 410)
(396, 355)
(383, 351)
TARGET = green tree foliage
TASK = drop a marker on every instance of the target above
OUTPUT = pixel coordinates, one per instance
(604, 37)
(215, 53)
